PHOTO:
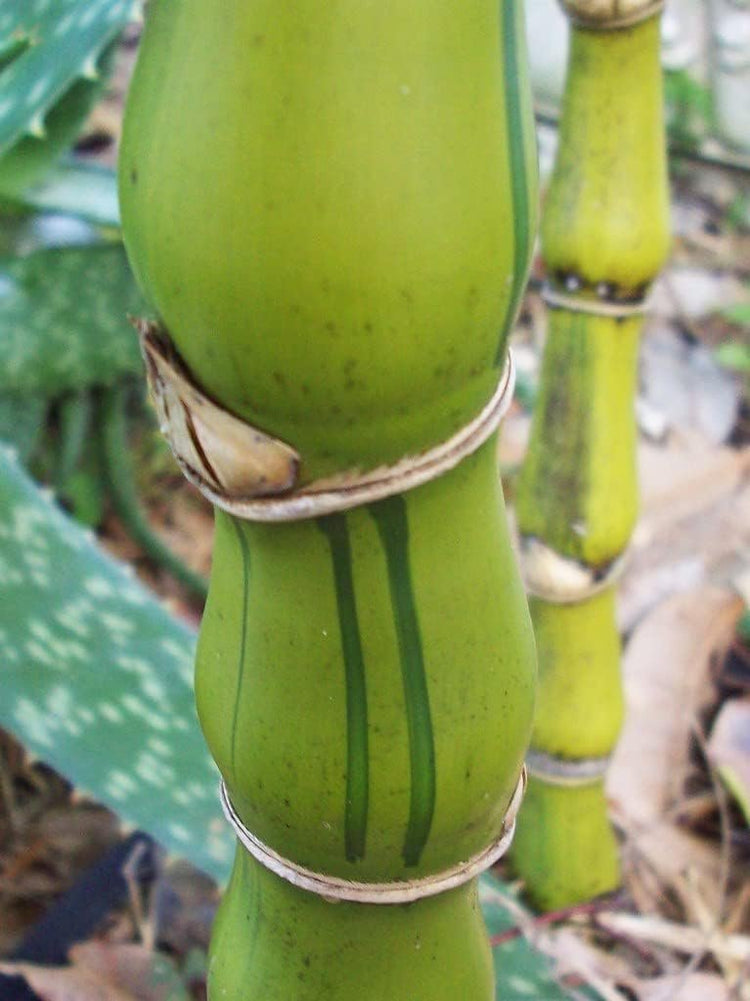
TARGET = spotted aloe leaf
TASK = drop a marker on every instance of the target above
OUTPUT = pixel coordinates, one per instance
(63, 320)
(96, 677)
(22, 419)
(53, 57)
(83, 190)
(97, 680)
(521, 971)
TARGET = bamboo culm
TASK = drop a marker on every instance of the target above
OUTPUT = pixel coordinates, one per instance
(605, 237)
(331, 208)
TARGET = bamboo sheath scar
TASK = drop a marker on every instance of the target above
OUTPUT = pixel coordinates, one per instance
(604, 236)
(331, 210)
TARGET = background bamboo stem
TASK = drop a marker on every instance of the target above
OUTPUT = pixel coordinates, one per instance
(605, 233)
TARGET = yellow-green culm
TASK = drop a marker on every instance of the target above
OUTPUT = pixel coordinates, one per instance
(604, 235)
(331, 209)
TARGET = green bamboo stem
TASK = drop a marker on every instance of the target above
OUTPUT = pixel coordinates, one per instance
(416, 731)
(605, 234)
(331, 208)
(272, 942)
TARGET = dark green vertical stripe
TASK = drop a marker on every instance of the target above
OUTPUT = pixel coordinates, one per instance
(336, 530)
(517, 163)
(245, 556)
(393, 526)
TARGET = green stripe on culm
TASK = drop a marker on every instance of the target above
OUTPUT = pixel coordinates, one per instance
(517, 163)
(393, 526)
(336, 530)
(245, 554)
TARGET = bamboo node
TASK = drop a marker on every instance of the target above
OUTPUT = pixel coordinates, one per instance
(335, 889)
(610, 15)
(567, 772)
(254, 476)
(601, 305)
(216, 450)
(560, 580)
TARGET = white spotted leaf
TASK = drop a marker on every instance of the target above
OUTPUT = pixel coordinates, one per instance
(54, 55)
(82, 190)
(96, 677)
(522, 973)
(64, 320)
(45, 46)
(22, 417)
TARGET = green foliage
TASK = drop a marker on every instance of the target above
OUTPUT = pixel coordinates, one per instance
(738, 212)
(739, 313)
(689, 110)
(22, 417)
(63, 320)
(121, 487)
(96, 677)
(84, 191)
(28, 161)
(64, 332)
(734, 355)
(54, 55)
(84, 494)
(74, 414)
(743, 627)
(78, 475)
(527, 390)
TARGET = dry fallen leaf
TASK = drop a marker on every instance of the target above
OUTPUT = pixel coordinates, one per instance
(683, 478)
(54, 983)
(666, 677)
(683, 380)
(185, 902)
(694, 987)
(601, 969)
(694, 528)
(139, 972)
(677, 937)
(105, 971)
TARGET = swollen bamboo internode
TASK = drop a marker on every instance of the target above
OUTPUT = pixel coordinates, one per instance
(605, 235)
(331, 208)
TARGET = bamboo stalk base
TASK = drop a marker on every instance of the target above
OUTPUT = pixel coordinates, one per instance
(296, 946)
(564, 839)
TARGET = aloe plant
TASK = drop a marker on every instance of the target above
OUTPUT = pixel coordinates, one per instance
(63, 320)
(57, 343)
(54, 57)
(74, 189)
(77, 354)
(96, 675)
(335, 231)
